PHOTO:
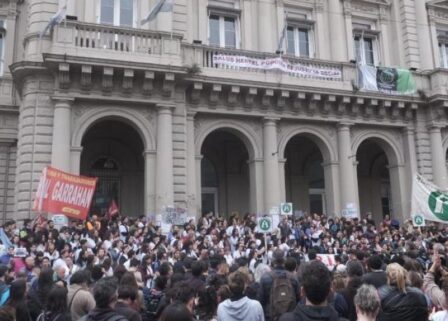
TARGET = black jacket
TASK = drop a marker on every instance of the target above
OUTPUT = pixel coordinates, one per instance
(377, 278)
(349, 294)
(128, 312)
(396, 305)
(312, 313)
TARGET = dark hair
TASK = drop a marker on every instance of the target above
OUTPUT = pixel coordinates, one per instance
(176, 312)
(119, 271)
(134, 262)
(17, 292)
(160, 283)
(57, 300)
(312, 254)
(127, 292)
(164, 269)
(104, 292)
(128, 279)
(354, 269)
(316, 280)
(374, 262)
(80, 277)
(290, 264)
(196, 268)
(97, 272)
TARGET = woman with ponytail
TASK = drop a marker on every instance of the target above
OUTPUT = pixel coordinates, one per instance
(400, 301)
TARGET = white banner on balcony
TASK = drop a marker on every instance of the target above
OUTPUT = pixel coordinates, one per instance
(296, 69)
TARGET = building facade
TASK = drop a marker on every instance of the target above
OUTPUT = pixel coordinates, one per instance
(147, 110)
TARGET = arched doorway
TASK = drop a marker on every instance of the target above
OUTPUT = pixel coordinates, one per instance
(374, 184)
(225, 183)
(304, 175)
(113, 152)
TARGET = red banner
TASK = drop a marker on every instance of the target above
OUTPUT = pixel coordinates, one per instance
(63, 193)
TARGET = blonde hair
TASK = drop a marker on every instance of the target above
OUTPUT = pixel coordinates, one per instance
(396, 275)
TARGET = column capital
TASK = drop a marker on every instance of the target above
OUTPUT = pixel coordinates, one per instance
(267, 121)
(165, 107)
(435, 127)
(282, 160)
(199, 157)
(255, 160)
(329, 164)
(63, 101)
(344, 125)
(409, 130)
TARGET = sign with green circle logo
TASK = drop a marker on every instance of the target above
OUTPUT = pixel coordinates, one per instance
(286, 208)
(418, 220)
(265, 224)
(438, 204)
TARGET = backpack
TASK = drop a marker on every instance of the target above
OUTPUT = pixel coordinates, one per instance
(283, 298)
(46, 316)
(152, 299)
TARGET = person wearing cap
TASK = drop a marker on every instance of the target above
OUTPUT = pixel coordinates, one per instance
(266, 281)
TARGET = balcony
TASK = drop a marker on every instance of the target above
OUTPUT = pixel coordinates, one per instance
(90, 40)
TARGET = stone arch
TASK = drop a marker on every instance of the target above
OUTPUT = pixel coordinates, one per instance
(247, 135)
(92, 117)
(385, 141)
(329, 154)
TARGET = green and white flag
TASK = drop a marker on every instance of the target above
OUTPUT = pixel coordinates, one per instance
(392, 81)
(429, 201)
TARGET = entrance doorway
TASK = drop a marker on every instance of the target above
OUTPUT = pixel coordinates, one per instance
(113, 152)
(225, 180)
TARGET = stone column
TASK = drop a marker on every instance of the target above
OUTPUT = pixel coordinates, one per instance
(332, 189)
(75, 160)
(198, 167)
(348, 189)
(439, 172)
(150, 172)
(270, 164)
(164, 158)
(385, 43)
(60, 149)
(337, 30)
(424, 35)
(192, 205)
(282, 179)
(256, 183)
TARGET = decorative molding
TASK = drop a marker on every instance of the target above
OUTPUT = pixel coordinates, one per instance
(107, 81)
(128, 80)
(148, 82)
(86, 77)
(64, 75)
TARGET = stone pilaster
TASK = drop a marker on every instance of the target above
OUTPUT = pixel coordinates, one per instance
(270, 164)
(438, 157)
(60, 149)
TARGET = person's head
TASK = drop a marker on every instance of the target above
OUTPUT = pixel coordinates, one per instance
(367, 301)
(196, 269)
(105, 293)
(290, 264)
(160, 283)
(127, 294)
(316, 282)
(278, 258)
(81, 277)
(57, 300)
(237, 283)
(128, 279)
(396, 276)
(176, 312)
(374, 262)
(354, 269)
(165, 269)
(45, 280)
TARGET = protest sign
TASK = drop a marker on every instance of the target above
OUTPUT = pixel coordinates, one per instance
(327, 259)
(63, 193)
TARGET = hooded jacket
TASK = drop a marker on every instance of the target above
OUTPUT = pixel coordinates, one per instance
(243, 309)
(311, 313)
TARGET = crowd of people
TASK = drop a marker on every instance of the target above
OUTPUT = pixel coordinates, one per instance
(217, 269)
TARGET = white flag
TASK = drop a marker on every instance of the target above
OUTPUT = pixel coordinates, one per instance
(429, 201)
(55, 20)
(161, 6)
(283, 34)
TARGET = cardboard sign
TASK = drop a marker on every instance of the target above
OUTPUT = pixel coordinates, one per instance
(265, 224)
(327, 259)
(60, 221)
(418, 220)
(174, 216)
(63, 193)
(286, 209)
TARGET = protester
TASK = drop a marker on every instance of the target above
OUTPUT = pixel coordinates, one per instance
(239, 307)
(316, 285)
(16, 303)
(398, 301)
(80, 300)
(176, 312)
(56, 306)
(188, 266)
(367, 303)
(126, 303)
(105, 294)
